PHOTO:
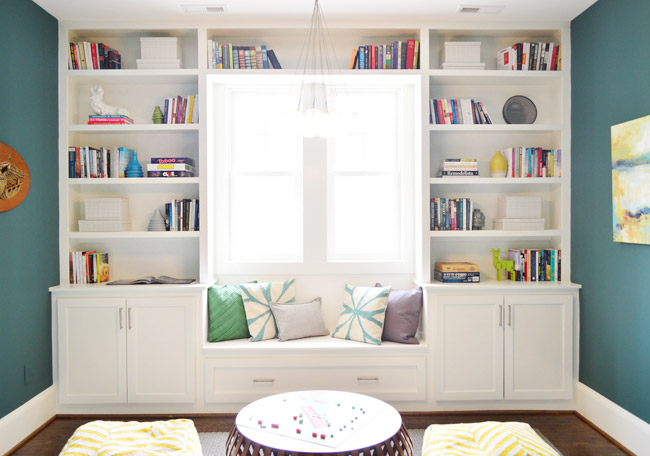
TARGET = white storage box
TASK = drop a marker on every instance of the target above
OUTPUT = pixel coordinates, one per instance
(461, 52)
(518, 224)
(106, 209)
(158, 64)
(104, 225)
(520, 207)
(160, 48)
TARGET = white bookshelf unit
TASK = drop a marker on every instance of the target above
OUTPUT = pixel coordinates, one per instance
(139, 252)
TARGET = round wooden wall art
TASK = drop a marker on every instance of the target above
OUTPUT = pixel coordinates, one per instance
(14, 178)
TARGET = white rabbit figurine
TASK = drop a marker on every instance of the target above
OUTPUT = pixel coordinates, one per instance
(99, 107)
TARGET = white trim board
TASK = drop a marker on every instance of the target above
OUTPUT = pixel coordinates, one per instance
(19, 424)
(631, 432)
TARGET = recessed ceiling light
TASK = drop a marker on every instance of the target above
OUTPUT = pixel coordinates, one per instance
(480, 9)
(204, 9)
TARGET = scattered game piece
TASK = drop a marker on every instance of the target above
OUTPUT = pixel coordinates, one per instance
(322, 436)
(295, 418)
(297, 431)
(275, 426)
(313, 434)
(259, 421)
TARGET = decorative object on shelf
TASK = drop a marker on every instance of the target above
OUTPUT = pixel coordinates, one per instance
(14, 178)
(478, 220)
(630, 178)
(461, 55)
(157, 222)
(500, 265)
(317, 117)
(157, 117)
(498, 165)
(99, 107)
(519, 110)
(134, 169)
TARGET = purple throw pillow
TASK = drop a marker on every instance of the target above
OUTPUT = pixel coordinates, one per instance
(402, 315)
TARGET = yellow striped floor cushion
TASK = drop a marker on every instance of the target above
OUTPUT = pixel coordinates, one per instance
(119, 438)
(489, 438)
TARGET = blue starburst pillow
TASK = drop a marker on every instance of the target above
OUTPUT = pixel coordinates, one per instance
(257, 298)
(362, 316)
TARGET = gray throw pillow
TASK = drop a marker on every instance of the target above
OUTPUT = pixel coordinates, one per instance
(402, 316)
(295, 321)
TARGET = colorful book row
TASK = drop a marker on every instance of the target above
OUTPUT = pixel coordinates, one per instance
(179, 110)
(227, 56)
(98, 162)
(530, 57)
(533, 162)
(536, 265)
(89, 267)
(399, 55)
(458, 111)
(182, 215)
(451, 214)
(86, 55)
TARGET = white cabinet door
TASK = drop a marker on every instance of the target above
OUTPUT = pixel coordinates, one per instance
(91, 350)
(161, 349)
(468, 347)
(539, 347)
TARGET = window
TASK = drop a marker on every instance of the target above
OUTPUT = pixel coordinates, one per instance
(290, 204)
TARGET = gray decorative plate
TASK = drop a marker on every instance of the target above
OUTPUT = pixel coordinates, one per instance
(519, 110)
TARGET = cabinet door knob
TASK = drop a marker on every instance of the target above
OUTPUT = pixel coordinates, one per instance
(368, 379)
(509, 315)
(500, 315)
(121, 318)
(263, 380)
(130, 317)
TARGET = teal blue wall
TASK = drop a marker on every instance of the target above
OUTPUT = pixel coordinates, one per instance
(610, 84)
(28, 233)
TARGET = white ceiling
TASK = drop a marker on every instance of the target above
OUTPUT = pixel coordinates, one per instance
(333, 10)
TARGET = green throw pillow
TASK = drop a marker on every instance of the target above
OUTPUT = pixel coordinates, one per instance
(363, 313)
(226, 315)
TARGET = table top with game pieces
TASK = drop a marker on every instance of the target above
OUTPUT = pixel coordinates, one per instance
(318, 421)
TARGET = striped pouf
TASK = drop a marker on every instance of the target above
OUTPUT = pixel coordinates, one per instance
(489, 438)
(119, 438)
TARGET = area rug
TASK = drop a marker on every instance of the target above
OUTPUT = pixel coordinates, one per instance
(214, 443)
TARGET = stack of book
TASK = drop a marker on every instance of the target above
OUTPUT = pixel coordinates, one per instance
(530, 57)
(179, 110)
(457, 111)
(459, 167)
(451, 214)
(182, 215)
(98, 162)
(227, 56)
(536, 265)
(89, 267)
(398, 55)
(533, 162)
(171, 167)
(456, 272)
(109, 119)
(85, 55)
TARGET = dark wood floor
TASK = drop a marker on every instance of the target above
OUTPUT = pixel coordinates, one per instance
(566, 430)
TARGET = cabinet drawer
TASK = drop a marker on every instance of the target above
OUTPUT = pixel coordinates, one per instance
(248, 379)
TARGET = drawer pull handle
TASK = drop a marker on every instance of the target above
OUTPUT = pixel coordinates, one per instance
(368, 379)
(263, 380)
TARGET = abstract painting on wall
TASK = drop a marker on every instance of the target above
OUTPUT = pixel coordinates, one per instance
(631, 181)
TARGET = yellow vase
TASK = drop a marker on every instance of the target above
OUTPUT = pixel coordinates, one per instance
(498, 165)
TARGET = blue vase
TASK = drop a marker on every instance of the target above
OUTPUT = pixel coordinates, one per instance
(134, 169)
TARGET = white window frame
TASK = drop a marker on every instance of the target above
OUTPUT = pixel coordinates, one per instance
(315, 237)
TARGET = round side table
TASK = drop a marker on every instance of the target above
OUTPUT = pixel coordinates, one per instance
(384, 434)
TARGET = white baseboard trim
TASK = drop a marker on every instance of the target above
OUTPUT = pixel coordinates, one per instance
(20, 423)
(628, 430)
